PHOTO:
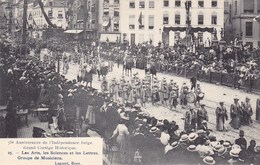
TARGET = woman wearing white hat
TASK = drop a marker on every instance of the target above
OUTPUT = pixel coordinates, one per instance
(122, 135)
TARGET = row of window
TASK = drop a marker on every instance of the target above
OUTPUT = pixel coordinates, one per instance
(115, 27)
(200, 19)
(214, 3)
(141, 37)
(165, 21)
(50, 14)
(106, 12)
(249, 6)
(115, 1)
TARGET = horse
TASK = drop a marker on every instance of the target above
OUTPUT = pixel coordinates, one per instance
(101, 71)
(128, 65)
(151, 69)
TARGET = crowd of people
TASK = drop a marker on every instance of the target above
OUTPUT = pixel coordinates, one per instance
(209, 60)
(116, 112)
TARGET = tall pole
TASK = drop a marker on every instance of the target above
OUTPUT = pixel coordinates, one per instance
(85, 11)
(24, 32)
(187, 7)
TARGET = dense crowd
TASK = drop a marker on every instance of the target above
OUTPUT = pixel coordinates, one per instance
(208, 60)
(75, 107)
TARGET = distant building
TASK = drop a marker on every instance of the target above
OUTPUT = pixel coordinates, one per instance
(110, 17)
(55, 10)
(160, 20)
(76, 16)
(243, 12)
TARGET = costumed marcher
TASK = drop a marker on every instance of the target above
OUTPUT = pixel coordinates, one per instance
(164, 91)
(193, 81)
(199, 94)
(155, 96)
(88, 75)
(143, 95)
(247, 112)
(221, 117)
(176, 88)
(190, 120)
(104, 85)
(202, 114)
(121, 85)
(235, 113)
(183, 94)
(135, 95)
(173, 99)
(113, 89)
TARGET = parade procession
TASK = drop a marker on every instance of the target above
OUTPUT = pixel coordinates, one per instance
(155, 94)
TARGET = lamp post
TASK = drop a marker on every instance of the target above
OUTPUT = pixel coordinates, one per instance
(58, 57)
(24, 31)
(9, 9)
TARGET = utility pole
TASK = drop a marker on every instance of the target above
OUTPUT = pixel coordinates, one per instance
(85, 11)
(24, 30)
(187, 7)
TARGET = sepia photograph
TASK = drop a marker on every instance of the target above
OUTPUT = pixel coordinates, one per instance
(157, 82)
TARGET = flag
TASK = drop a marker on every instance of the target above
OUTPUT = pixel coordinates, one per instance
(109, 23)
(30, 17)
(34, 23)
(257, 19)
(140, 19)
(5, 17)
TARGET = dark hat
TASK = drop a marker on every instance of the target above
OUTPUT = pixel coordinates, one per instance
(241, 133)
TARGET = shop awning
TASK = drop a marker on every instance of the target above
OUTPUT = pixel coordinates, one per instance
(112, 38)
(193, 29)
(105, 23)
(73, 31)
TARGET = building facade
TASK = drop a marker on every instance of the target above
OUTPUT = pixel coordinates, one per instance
(109, 19)
(55, 10)
(243, 26)
(78, 10)
(146, 20)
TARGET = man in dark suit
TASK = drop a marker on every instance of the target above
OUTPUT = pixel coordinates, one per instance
(241, 140)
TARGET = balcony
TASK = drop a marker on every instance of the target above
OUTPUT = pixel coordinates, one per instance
(107, 5)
